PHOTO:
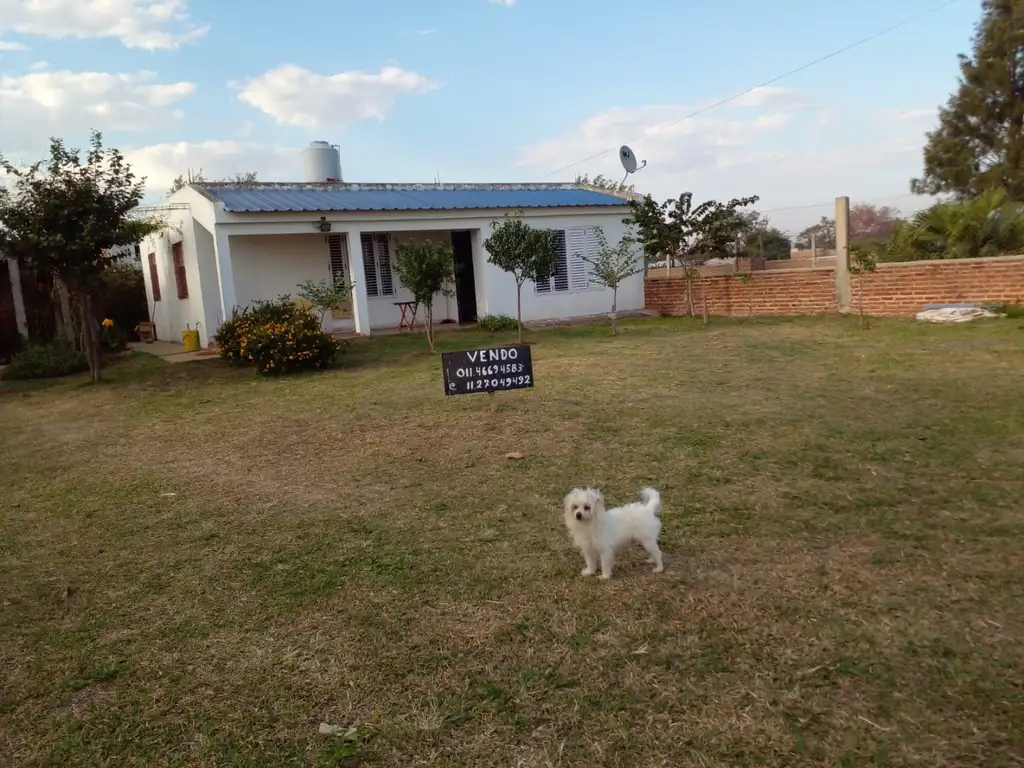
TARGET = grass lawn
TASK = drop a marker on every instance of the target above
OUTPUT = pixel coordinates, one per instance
(198, 567)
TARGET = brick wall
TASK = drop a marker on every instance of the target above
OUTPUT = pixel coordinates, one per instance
(893, 289)
(904, 289)
(788, 292)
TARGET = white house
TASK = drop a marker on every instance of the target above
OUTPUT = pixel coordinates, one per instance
(228, 245)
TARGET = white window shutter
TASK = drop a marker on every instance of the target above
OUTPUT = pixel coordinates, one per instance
(369, 264)
(339, 259)
(383, 243)
(576, 244)
(559, 280)
(593, 248)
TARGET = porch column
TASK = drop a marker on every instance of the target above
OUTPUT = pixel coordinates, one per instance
(360, 307)
(14, 268)
(225, 272)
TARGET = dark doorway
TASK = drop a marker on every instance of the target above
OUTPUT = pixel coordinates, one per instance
(465, 283)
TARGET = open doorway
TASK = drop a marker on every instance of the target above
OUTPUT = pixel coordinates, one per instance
(465, 281)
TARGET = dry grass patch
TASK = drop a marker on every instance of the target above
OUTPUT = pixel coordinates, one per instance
(199, 567)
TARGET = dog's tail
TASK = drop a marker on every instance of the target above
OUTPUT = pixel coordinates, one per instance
(652, 500)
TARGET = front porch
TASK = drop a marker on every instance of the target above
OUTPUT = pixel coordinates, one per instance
(262, 266)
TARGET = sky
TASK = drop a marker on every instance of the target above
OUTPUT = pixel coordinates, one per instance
(496, 90)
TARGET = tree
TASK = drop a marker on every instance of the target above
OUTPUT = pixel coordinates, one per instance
(759, 239)
(324, 295)
(67, 215)
(868, 222)
(862, 261)
(427, 269)
(601, 182)
(615, 264)
(197, 177)
(687, 235)
(824, 234)
(979, 143)
(524, 252)
(987, 225)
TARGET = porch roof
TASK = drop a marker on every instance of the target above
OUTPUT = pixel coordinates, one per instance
(279, 198)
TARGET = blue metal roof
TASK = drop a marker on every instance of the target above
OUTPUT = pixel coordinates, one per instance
(295, 198)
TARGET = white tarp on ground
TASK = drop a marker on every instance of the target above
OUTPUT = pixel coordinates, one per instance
(954, 314)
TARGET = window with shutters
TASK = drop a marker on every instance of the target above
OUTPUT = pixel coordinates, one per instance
(339, 259)
(154, 278)
(180, 278)
(572, 271)
(377, 264)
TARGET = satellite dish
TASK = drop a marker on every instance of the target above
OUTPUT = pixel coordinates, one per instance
(628, 160)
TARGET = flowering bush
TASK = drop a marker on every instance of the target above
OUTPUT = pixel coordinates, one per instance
(276, 337)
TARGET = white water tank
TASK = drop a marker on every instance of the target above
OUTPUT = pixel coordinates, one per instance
(321, 162)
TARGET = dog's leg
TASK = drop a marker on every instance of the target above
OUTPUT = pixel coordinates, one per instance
(607, 558)
(651, 545)
(591, 557)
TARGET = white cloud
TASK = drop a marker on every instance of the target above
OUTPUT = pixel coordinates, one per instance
(146, 24)
(61, 103)
(506, 3)
(772, 144)
(296, 96)
(39, 66)
(8, 45)
(161, 163)
(422, 32)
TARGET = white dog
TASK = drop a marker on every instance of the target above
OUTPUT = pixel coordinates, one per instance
(599, 532)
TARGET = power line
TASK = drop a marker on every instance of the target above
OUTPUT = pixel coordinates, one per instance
(831, 203)
(808, 65)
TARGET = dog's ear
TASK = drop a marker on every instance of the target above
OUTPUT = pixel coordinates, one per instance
(596, 500)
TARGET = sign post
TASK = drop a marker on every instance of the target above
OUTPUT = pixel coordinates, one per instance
(497, 369)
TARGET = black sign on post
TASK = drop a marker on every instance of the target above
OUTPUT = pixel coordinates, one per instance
(487, 370)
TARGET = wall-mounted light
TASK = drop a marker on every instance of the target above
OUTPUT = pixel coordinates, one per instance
(323, 225)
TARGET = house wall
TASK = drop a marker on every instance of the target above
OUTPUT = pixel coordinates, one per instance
(172, 314)
(500, 287)
(267, 266)
(189, 218)
(495, 290)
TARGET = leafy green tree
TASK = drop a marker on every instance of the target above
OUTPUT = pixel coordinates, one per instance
(979, 143)
(824, 234)
(614, 265)
(324, 295)
(987, 225)
(688, 236)
(759, 239)
(67, 216)
(524, 252)
(427, 269)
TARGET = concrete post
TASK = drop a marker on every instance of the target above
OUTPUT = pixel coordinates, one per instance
(360, 299)
(14, 268)
(844, 292)
(225, 271)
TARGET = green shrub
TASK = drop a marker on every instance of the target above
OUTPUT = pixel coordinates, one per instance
(276, 337)
(244, 321)
(45, 361)
(495, 323)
